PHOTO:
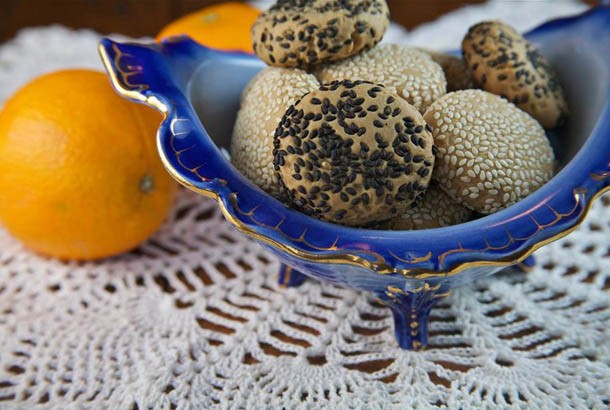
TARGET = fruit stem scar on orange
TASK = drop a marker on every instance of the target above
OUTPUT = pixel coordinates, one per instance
(146, 183)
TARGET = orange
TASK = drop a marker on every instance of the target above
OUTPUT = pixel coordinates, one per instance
(224, 26)
(80, 177)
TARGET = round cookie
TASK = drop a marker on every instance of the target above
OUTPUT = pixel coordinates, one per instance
(307, 33)
(434, 210)
(353, 153)
(456, 71)
(505, 63)
(263, 103)
(407, 71)
(490, 153)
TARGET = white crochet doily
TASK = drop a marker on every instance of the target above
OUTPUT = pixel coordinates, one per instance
(194, 319)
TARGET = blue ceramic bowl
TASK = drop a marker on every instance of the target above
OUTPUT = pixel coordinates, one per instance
(198, 91)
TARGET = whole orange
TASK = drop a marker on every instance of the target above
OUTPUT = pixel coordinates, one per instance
(224, 26)
(80, 177)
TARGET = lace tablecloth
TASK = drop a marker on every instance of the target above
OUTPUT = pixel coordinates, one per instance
(193, 319)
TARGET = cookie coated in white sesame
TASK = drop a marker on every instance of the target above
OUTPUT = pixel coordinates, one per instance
(406, 71)
(263, 103)
(434, 210)
(490, 153)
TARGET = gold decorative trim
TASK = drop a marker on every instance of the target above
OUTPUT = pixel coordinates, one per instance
(414, 259)
(132, 91)
(379, 265)
(602, 176)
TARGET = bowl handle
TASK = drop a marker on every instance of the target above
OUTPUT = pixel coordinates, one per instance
(137, 71)
(157, 74)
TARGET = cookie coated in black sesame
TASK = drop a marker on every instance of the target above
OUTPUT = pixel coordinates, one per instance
(308, 33)
(503, 62)
(353, 153)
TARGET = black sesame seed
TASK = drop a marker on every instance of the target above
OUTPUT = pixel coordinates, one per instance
(423, 172)
(340, 214)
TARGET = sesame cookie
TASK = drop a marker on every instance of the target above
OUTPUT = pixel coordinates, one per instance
(490, 153)
(307, 33)
(353, 153)
(263, 103)
(505, 63)
(456, 71)
(434, 210)
(406, 71)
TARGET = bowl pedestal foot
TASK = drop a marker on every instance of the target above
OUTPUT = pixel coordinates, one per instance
(289, 277)
(527, 264)
(411, 309)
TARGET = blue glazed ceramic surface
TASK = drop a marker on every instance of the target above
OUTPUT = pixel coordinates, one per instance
(198, 90)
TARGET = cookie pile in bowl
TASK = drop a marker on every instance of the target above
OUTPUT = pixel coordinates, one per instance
(388, 136)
